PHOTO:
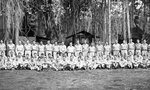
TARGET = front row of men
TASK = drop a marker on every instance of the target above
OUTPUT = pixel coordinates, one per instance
(64, 62)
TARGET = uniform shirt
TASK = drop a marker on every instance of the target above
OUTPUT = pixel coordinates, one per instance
(56, 48)
(11, 46)
(70, 49)
(85, 47)
(144, 46)
(34, 47)
(138, 58)
(138, 46)
(99, 47)
(131, 46)
(130, 58)
(19, 48)
(27, 47)
(62, 48)
(2, 47)
(107, 48)
(124, 46)
(41, 48)
(116, 47)
(78, 47)
(49, 47)
(92, 49)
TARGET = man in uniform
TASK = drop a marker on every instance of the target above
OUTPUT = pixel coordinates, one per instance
(137, 60)
(62, 48)
(124, 47)
(70, 49)
(11, 47)
(116, 48)
(138, 47)
(131, 47)
(107, 49)
(144, 48)
(19, 48)
(85, 48)
(28, 48)
(48, 48)
(78, 48)
(92, 49)
(55, 50)
(34, 48)
(41, 49)
(99, 48)
(2, 47)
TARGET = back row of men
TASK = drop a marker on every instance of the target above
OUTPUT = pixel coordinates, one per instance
(85, 48)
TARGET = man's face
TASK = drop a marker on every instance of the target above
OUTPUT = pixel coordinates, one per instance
(116, 41)
(130, 40)
(34, 42)
(19, 42)
(41, 43)
(144, 41)
(138, 41)
(48, 42)
(62, 43)
(11, 42)
(27, 42)
(1, 41)
(70, 44)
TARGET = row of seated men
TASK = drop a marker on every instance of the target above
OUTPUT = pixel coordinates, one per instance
(74, 57)
(64, 62)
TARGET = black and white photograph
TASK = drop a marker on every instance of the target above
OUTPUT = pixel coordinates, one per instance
(74, 44)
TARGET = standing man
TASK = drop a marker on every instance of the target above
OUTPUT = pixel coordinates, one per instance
(34, 48)
(2, 47)
(85, 48)
(70, 49)
(41, 49)
(92, 49)
(124, 47)
(28, 48)
(131, 47)
(11, 48)
(99, 48)
(48, 48)
(62, 48)
(78, 48)
(116, 48)
(144, 48)
(138, 47)
(55, 50)
(107, 49)
(19, 49)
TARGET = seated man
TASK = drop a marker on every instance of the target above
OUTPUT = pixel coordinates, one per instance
(3, 60)
(123, 62)
(144, 61)
(137, 60)
(18, 61)
(25, 62)
(130, 60)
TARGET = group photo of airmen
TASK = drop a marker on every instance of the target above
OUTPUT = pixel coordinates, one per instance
(58, 56)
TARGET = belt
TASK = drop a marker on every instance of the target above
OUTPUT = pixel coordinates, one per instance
(144, 50)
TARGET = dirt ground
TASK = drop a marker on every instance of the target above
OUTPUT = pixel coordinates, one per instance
(122, 79)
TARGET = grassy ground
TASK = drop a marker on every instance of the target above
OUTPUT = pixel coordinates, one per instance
(76, 80)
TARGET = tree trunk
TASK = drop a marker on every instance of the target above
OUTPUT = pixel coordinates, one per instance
(105, 23)
(124, 20)
(109, 20)
(128, 20)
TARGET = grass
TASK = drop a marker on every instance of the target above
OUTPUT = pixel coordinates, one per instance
(121, 79)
